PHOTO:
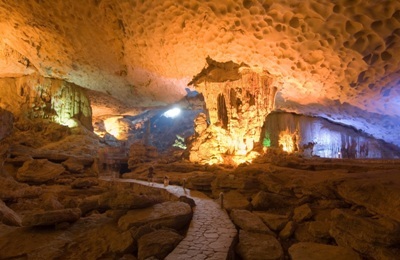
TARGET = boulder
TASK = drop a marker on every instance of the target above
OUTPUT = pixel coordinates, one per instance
(378, 194)
(319, 229)
(127, 199)
(235, 200)
(314, 231)
(288, 230)
(73, 165)
(378, 230)
(84, 183)
(188, 201)
(13, 190)
(50, 217)
(200, 181)
(265, 200)
(8, 216)
(170, 214)
(39, 171)
(302, 213)
(92, 237)
(89, 203)
(157, 244)
(273, 221)
(254, 246)
(50, 202)
(314, 251)
(248, 221)
(377, 237)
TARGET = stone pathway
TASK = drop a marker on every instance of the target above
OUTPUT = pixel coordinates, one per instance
(211, 232)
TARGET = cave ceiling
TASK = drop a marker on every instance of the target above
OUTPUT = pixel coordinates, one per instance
(336, 59)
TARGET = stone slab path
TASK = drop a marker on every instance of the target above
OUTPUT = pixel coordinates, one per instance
(211, 232)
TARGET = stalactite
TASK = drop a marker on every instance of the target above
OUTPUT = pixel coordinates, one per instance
(239, 109)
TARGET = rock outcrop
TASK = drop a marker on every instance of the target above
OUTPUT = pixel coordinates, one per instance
(314, 251)
(50, 217)
(38, 97)
(316, 136)
(6, 123)
(237, 101)
(174, 215)
(39, 171)
(157, 244)
(256, 246)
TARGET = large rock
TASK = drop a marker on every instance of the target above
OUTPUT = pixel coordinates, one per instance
(248, 221)
(264, 201)
(83, 183)
(375, 237)
(171, 214)
(302, 213)
(127, 199)
(288, 230)
(13, 190)
(73, 165)
(273, 221)
(235, 200)
(200, 181)
(380, 194)
(8, 216)
(157, 244)
(51, 217)
(256, 246)
(39, 171)
(314, 251)
(93, 237)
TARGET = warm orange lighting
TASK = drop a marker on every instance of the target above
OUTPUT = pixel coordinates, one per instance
(113, 127)
(286, 141)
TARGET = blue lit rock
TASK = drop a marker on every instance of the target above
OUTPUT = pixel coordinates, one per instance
(313, 136)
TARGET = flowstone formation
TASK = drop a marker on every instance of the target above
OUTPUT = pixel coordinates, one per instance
(36, 97)
(314, 136)
(237, 100)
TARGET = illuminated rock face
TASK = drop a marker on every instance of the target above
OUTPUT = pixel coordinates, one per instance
(340, 55)
(38, 97)
(237, 101)
(316, 136)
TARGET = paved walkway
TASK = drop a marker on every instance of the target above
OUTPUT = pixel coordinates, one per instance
(211, 232)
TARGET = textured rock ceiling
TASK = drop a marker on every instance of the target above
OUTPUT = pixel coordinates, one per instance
(337, 59)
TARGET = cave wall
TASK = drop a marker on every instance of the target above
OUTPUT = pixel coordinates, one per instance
(314, 136)
(38, 97)
(236, 108)
(6, 123)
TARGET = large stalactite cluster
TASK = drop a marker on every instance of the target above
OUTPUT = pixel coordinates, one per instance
(236, 109)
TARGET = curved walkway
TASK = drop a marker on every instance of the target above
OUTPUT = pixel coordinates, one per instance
(211, 232)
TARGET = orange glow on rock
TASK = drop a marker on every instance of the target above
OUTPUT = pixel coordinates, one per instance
(286, 141)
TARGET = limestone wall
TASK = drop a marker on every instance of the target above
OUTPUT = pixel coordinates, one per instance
(320, 137)
(38, 97)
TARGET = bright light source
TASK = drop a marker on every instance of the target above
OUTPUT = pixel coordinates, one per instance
(173, 112)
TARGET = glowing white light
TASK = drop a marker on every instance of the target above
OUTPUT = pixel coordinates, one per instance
(173, 112)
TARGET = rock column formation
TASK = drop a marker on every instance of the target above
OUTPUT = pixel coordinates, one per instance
(38, 97)
(237, 102)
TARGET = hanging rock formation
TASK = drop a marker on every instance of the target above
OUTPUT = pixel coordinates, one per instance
(38, 97)
(320, 137)
(237, 101)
